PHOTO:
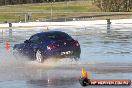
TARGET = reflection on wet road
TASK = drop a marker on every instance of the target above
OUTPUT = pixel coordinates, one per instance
(104, 56)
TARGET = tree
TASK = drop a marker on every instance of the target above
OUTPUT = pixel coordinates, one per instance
(114, 5)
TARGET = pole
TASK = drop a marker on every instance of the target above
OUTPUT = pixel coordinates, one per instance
(108, 26)
(51, 11)
(25, 18)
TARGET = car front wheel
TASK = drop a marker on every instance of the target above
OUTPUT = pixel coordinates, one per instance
(39, 56)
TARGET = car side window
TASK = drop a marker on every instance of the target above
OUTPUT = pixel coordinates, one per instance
(34, 39)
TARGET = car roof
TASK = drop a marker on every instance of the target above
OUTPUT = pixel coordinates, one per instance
(54, 32)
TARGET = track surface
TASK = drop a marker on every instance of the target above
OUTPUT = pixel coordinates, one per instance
(104, 56)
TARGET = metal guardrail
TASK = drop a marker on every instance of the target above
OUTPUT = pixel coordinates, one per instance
(83, 16)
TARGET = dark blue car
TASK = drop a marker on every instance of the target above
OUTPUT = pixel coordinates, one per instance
(49, 44)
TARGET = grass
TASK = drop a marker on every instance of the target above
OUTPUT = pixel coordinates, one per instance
(58, 6)
(10, 17)
(43, 10)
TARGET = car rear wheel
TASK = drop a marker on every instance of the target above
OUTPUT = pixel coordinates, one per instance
(39, 56)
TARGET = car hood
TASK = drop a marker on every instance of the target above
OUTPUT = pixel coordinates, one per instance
(18, 46)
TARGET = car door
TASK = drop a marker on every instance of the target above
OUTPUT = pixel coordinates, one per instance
(34, 43)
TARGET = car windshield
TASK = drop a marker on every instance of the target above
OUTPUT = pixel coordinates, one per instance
(58, 36)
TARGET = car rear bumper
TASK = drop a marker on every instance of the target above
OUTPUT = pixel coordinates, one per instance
(64, 52)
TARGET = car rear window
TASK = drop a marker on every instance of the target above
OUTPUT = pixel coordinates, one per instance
(58, 36)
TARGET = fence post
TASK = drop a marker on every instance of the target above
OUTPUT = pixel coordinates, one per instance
(108, 26)
(10, 24)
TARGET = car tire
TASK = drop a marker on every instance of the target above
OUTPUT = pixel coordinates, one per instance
(39, 56)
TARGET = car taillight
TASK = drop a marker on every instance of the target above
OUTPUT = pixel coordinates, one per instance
(77, 44)
(65, 40)
(50, 47)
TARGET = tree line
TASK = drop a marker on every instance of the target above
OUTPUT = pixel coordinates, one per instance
(13, 2)
(114, 5)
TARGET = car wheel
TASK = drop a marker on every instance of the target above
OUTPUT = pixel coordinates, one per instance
(39, 56)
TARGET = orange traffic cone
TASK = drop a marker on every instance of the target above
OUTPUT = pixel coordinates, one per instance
(86, 74)
(7, 45)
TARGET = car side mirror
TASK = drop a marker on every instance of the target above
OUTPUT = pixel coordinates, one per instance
(27, 41)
